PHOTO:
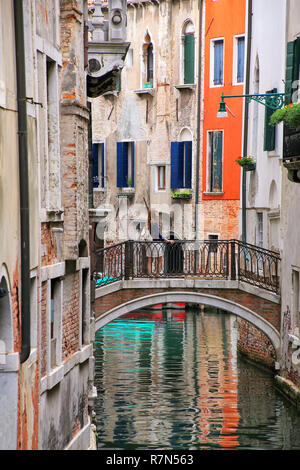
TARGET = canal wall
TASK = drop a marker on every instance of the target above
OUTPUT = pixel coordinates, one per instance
(254, 344)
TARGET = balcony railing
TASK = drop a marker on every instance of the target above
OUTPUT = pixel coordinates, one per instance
(207, 259)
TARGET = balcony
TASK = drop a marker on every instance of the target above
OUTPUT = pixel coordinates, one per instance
(291, 152)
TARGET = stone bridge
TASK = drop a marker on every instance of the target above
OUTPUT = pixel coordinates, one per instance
(235, 289)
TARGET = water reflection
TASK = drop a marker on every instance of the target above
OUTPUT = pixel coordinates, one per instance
(172, 380)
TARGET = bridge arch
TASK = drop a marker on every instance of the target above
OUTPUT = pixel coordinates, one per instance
(197, 298)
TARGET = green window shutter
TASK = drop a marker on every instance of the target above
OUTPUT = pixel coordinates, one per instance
(292, 69)
(269, 134)
(215, 161)
(118, 87)
(189, 58)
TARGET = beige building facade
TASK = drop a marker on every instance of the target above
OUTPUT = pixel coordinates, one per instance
(150, 118)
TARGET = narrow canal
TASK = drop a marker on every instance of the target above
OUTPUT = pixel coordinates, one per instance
(173, 380)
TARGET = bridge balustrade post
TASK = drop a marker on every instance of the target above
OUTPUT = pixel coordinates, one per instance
(232, 261)
(128, 259)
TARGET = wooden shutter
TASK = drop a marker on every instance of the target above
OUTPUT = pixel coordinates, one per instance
(189, 58)
(292, 68)
(95, 166)
(269, 134)
(177, 149)
(217, 157)
(188, 164)
(122, 164)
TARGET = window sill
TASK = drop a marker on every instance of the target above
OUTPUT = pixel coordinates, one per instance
(145, 91)
(191, 86)
(219, 193)
(126, 192)
(55, 215)
(99, 190)
(56, 375)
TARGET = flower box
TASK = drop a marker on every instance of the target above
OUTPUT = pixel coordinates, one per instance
(148, 85)
(247, 162)
(181, 194)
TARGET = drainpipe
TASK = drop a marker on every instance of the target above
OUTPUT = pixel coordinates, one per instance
(23, 180)
(246, 114)
(198, 119)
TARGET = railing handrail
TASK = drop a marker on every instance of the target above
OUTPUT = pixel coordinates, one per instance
(222, 259)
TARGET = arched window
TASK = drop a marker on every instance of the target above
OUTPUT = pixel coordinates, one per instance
(147, 62)
(188, 54)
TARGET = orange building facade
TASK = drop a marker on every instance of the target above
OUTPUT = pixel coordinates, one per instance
(222, 137)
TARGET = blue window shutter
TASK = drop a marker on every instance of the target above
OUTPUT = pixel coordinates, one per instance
(177, 162)
(102, 167)
(218, 62)
(133, 164)
(122, 164)
(95, 166)
(180, 164)
(174, 164)
(240, 59)
(188, 164)
(217, 161)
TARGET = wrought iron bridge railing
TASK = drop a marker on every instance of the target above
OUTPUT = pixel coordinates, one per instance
(207, 259)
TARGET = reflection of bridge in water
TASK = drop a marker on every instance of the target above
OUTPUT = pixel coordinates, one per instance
(227, 274)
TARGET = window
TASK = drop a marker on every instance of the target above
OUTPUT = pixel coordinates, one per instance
(147, 65)
(260, 230)
(215, 161)
(55, 320)
(269, 133)
(213, 245)
(161, 177)
(181, 164)
(125, 164)
(189, 53)
(239, 59)
(292, 71)
(217, 62)
(99, 169)
(150, 64)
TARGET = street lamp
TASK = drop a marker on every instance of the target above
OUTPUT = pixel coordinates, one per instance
(270, 100)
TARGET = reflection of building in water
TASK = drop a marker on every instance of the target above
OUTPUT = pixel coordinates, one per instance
(169, 378)
(217, 401)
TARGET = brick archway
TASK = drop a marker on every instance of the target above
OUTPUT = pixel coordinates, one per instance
(226, 304)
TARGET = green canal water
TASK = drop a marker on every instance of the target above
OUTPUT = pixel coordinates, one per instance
(173, 380)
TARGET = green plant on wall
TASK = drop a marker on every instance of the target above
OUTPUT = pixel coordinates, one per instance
(290, 114)
(245, 161)
(183, 194)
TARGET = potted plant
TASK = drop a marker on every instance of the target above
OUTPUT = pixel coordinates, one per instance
(181, 194)
(247, 162)
(290, 114)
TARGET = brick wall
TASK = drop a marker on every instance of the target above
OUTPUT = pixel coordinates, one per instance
(70, 321)
(221, 217)
(254, 343)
